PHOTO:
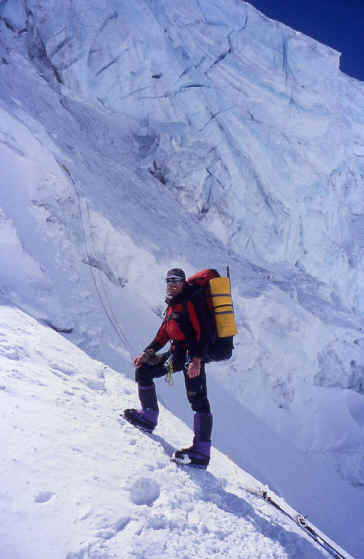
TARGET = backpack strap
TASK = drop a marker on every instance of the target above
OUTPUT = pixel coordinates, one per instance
(206, 321)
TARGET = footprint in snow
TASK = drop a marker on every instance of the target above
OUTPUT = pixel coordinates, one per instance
(94, 384)
(44, 497)
(144, 492)
(118, 526)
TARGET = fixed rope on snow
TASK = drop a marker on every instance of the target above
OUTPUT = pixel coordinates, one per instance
(108, 311)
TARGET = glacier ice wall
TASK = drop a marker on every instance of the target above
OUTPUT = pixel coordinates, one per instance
(250, 123)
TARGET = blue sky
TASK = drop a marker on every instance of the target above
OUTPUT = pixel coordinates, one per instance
(337, 23)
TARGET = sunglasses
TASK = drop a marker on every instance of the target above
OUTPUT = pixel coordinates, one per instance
(174, 280)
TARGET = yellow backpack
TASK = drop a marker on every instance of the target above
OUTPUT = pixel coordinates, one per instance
(222, 303)
(217, 296)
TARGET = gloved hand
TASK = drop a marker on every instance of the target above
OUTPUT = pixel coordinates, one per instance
(194, 367)
(149, 357)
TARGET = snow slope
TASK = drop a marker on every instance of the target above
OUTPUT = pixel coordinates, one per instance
(78, 482)
(137, 137)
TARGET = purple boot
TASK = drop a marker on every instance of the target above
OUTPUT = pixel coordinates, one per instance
(145, 419)
(198, 454)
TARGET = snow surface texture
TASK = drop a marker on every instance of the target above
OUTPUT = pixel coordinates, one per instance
(138, 137)
(78, 483)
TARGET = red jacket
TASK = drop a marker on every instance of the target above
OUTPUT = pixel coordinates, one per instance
(184, 322)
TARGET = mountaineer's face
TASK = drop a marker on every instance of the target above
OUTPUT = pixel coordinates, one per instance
(174, 287)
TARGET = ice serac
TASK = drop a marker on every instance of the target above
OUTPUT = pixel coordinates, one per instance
(138, 136)
(251, 123)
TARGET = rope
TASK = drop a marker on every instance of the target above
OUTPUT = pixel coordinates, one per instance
(108, 312)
